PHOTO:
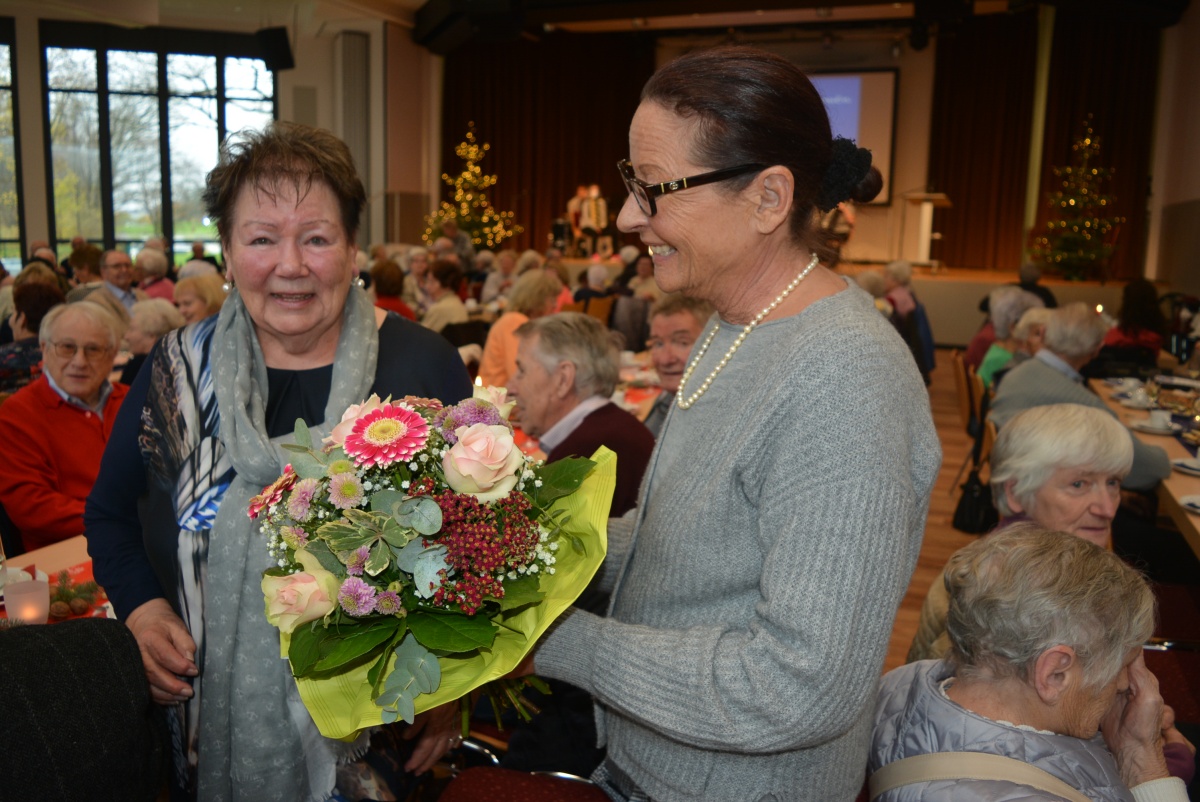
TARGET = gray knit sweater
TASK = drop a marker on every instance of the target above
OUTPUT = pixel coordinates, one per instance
(757, 582)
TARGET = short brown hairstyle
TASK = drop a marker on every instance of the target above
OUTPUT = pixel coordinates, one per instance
(34, 299)
(446, 273)
(388, 278)
(209, 287)
(281, 154)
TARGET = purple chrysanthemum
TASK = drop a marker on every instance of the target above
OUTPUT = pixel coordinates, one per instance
(358, 561)
(467, 413)
(299, 504)
(387, 603)
(356, 597)
(345, 491)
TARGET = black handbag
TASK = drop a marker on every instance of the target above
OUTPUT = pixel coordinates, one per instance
(975, 514)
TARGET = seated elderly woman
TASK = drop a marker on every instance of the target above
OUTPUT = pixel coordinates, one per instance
(200, 296)
(20, 360)
(388, 282)
(1059, 465)
(1007, 305)
(148, 320)
(532, 296)
(1046, 633)
(152, 263)
(441, 285)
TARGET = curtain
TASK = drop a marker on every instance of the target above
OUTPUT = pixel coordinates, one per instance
(1106, 64)
(556, 114)
(979, 142)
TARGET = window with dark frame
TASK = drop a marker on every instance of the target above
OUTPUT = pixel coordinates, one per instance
(11, 246)
(134, 119)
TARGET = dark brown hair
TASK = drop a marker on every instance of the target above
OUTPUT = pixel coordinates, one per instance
(388, 278)
(33, 300)
(282, 154)
(446, 273)
(754, 107)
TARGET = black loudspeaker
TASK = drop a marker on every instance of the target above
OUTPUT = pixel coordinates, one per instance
(276, 51)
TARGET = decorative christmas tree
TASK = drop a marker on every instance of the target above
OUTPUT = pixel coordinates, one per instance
(474, 214)
(1079, 235)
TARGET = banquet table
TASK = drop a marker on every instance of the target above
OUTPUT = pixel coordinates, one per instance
(1174, 487)
(55, 557)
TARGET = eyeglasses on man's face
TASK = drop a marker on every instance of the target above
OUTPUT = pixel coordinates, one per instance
(67, 350)
(644, 192)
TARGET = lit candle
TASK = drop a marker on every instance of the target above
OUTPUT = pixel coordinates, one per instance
(28, 601)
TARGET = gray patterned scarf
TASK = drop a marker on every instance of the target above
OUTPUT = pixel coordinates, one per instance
(256, 739)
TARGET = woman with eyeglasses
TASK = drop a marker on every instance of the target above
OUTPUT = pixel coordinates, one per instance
(782, 512)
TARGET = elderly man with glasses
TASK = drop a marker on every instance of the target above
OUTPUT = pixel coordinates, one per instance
(53, 431)
(116, 273)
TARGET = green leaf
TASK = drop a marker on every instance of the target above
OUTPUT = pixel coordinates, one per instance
(396, 535)
(416, 672)
(305, 649)
(374, 674)
(420, 513)
(520, 592)
(327, 559)
(342, 536)
(307, 466)
(451, 633)
(339, 651)
(302, 435)
(381, 555)
(383, 500)
(423, 563)
(364, 519)
(561, 478)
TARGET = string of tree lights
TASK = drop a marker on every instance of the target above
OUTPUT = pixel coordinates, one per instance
(470, 206)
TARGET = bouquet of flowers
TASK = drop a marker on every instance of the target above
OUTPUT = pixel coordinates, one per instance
(419, 554)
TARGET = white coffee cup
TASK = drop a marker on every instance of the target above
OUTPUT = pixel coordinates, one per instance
(1160, 418)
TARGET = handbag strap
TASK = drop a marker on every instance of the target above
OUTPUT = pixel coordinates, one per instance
(968, 766)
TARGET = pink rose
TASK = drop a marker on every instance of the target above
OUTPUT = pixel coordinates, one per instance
(352, 413)
(497, 397)
(301, 597)
(483, 463)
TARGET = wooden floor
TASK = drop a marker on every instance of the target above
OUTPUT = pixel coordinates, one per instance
(941, 539)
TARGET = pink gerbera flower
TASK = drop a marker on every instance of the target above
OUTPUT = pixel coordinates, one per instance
(387, 435)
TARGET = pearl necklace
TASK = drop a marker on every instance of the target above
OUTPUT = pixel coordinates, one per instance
(749, 327)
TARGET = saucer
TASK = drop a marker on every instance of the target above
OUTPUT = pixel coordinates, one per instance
(1149, 428)
(1139, 404)
(1188, 466)
(1191, 504)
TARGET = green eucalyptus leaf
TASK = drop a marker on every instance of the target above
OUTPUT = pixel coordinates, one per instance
(416, 672)
(340, 651)
(561, 478)
(308, 466)
(420, 513)
(383, 500)
(451, 633)
(379, 558)
(302, 435)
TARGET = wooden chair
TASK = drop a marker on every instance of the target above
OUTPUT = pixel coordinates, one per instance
(989, 440)
(963, 390)
(600, 308)
(574, 306)
(978, 390)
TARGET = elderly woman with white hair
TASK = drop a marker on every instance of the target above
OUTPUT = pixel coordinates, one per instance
(1060, 465)
(1072, 338)
(1046, 632)
(416, 262)
(897, 278)
(1008, 304)
(148, 320)
(152, 264)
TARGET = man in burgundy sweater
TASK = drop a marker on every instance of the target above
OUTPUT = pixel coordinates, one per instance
(566, 370)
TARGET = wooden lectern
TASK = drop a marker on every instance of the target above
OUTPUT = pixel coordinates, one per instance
(927, 201)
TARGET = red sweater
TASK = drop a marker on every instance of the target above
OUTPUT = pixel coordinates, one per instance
(49, 457)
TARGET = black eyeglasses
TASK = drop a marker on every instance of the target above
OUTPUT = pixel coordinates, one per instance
(644, 192)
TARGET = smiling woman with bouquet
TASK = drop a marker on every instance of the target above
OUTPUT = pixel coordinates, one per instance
(781, 516)
(167, 521)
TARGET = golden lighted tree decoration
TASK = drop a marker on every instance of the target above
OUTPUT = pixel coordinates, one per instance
(1079, 234)
(470, 207)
